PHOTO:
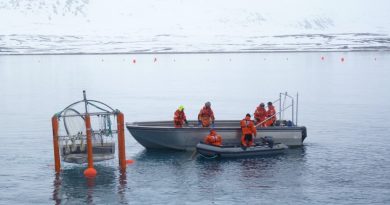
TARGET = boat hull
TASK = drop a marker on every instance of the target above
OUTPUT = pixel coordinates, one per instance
(162, 135)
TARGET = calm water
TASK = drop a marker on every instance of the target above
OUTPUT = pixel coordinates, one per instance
(344, 105)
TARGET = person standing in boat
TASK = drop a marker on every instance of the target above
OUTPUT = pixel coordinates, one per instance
(248, 131)
(213, 138)
(206, 115)
(271, 114)
(260, 115)
(180, 117)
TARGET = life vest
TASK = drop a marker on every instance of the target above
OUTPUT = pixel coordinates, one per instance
(260, 115)
(248, 127)
(213, 140)
(272, 114)
(206, 115)
(206, 112)
(248, 130)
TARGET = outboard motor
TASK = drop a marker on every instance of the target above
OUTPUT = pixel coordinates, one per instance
(268, 140)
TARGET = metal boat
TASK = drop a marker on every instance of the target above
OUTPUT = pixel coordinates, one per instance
(163, 134)
(210, 151)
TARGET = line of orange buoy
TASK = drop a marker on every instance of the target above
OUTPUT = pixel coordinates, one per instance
(342, 59)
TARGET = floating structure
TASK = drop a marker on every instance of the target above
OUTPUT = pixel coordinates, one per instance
(233, 151)
(163, 134)
(84, 132)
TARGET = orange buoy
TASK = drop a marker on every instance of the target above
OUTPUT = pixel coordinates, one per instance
(90, 172)
(129, 161)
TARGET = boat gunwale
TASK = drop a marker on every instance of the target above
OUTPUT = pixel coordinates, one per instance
(135, 125)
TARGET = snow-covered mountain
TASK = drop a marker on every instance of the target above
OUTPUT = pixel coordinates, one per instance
(125, 26)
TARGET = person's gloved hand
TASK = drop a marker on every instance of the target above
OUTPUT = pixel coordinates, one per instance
(212, 124)
(186, 122)
(199, 123)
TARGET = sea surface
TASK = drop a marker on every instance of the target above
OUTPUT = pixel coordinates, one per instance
(344, 101)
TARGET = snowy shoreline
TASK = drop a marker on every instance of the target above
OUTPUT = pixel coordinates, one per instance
(173, 44)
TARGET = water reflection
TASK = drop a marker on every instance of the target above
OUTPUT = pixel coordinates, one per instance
(122, 186)
(70, 186)
(171, 158)
(252, 172)
(154, 154)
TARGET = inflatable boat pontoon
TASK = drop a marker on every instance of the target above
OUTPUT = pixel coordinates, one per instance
(238, 151)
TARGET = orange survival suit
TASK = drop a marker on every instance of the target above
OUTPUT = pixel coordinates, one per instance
(248, 131)
(260, 116)
(271, 112)
(213, 138)
(179, 118)
(206, 116)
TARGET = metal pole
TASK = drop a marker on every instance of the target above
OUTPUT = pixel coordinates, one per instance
(280, 106)
(296, 121)
(85, 102)
(292, 110)
(57, 163)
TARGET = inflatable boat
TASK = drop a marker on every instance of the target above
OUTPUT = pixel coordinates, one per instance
(210, 151)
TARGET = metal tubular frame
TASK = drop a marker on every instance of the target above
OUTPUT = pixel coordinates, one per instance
(86, 116)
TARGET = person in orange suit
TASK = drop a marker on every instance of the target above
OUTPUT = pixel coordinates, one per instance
(260, 115)
(213, 138)
(248, 131)
(179, 117)
(206, 115)
(271, 114)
